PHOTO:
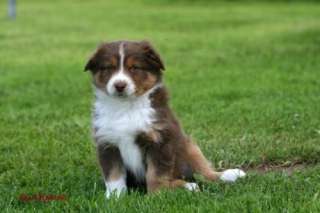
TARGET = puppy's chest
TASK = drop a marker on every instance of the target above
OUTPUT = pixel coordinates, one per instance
(120, 125)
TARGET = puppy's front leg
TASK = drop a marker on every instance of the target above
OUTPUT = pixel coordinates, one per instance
(112, 169)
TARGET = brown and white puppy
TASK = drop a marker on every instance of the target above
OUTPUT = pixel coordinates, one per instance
(139, 140)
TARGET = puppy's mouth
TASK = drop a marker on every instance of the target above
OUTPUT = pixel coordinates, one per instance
(121, 94)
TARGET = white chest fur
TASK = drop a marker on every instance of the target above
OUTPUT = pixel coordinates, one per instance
(118, 121)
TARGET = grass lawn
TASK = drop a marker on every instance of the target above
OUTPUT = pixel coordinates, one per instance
(244, 80)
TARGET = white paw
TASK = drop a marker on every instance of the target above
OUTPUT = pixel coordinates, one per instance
(192, 186)
(231, 175)
(115, 188)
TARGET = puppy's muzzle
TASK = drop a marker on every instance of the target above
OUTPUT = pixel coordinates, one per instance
(120, 86)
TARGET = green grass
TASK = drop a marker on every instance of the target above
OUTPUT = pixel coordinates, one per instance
(244, 81)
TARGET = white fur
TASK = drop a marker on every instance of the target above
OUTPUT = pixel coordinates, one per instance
(192, 186)
(119, 120)
(116, 187)
(121, 76)
(231, 175)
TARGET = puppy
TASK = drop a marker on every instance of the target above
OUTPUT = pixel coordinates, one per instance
(139, 140)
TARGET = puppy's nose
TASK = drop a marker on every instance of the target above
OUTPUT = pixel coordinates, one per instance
(120, 86)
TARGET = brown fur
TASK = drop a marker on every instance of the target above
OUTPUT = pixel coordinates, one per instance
(176, 155)
(170, 157)
(110, 161)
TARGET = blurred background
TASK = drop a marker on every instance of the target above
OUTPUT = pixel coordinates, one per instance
(243, 77)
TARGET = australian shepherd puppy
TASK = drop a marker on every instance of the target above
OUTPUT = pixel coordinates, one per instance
(139, 140)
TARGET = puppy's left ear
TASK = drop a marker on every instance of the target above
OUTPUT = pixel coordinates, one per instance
(152, 55)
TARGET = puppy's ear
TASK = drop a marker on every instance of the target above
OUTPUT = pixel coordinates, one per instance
(152, 55)
(92, 63)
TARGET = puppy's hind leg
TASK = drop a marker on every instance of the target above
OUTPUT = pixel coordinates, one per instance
(157, 179)
(201, 165)
(160, 175)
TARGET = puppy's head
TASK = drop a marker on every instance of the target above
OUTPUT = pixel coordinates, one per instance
(125, 68)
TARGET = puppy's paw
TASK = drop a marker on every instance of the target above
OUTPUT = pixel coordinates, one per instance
(231, 175)
(115, 188)
(151, 136)
(117, 193)
(154, 136)
(192, 187)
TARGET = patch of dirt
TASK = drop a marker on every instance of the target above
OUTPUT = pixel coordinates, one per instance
(287, 167)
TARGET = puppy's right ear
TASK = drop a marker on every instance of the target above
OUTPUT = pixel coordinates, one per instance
(91, 64)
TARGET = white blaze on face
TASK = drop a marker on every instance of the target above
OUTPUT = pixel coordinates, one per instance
(121, 76)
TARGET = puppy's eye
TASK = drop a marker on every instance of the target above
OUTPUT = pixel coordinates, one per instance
(107, 67)
(135, 68)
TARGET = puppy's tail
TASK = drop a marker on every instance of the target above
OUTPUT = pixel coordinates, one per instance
(201, 165)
